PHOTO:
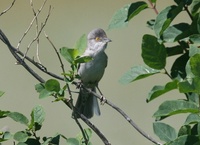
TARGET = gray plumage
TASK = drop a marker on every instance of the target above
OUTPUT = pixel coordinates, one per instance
(92, 72)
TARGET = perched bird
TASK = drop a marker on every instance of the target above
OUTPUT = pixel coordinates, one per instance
(91, 72)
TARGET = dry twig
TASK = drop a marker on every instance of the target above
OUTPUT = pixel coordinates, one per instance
(8, 8)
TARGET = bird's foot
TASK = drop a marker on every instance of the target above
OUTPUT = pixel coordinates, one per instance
(103, 100)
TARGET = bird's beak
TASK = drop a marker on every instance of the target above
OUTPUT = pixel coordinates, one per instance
(107, 40)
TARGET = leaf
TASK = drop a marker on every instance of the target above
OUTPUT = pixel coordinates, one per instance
(32, 141)
(4, 113)
(69, 54)
(164, 131)
(18, 117)
(195, 7)
(118, 20)
(176, 32)
(1, 93)
(37, 115)
(21, 136)
(164, 18)
(136, 8)
(39, 87)
(52, 85)
(195, 39)
(192, 118)
(72, 141)
(81, 44)
(184, 140)
(45, 93)
(174, 50)
(136, 73)
(151, 23)
(160, 90)
(193, 50)
(88, 133)
(153, 53)
(184, 130)
(195, 64)
(83, 59)
(178, 67)
(173, 107)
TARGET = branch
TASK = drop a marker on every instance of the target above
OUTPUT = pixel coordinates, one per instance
(39, 32)
(124, 115)
(35, 75)
(8, 8)
(31, 24)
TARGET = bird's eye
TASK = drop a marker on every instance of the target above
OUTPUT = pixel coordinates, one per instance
(97, 38)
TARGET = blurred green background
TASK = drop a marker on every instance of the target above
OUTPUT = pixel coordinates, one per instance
(68, 21)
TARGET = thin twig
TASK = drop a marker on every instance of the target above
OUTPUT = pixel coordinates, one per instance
(8, 8)
(186, 8)
(153, 6)
(35, 75)
(37, 31)
(68, 88)
(42, 26)
(31, 24)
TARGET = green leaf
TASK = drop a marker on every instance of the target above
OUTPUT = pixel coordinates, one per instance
(32, 141)
(195, 7)
(153, 53)
(39, 87)
(88, 133)
(69, 54)
(4, 113)
(195, 64)
(52, 85)
(1, 93)
(164, 131)
(136, 73)
(160, 90)
(178, 67)
(173, 107)
(192, 118)
(72, 141)
(193, 50)
(21, 136)
(165, 17)
(18, 117)
(83, 59)
(45, 93)
(81, 44)
(198, 128)
(184, 130)
(195, 39)
(176, 32)
(136, 8)
(174, 50)
(198, 23)
(119, 18)
(184, 140)
(37, 117)
(151, 23)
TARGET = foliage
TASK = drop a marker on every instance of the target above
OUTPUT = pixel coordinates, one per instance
(184, 39)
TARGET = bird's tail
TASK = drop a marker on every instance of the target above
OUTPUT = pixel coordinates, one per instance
(87, 104)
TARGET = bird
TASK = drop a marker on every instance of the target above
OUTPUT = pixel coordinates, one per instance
(91, 72)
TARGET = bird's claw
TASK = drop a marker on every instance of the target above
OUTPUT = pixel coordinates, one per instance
(103, 100)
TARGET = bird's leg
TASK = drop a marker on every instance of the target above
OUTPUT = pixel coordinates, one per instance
(102, 99)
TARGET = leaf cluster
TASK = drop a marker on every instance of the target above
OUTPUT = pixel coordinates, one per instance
(184, 40)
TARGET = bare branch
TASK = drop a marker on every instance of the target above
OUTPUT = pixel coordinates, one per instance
(31, 24)
(8, 8)
(124, 115)
(37, 31)
(67, 102)
(38, 34)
